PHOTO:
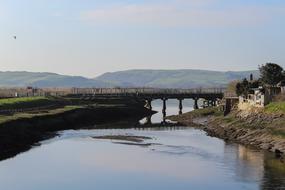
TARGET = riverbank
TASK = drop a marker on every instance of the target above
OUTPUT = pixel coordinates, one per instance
(20, 131)
(259, 128)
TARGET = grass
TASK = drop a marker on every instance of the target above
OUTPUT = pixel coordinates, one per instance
(51, 106)
(29, 107)
(229, 119)
(275, 107)
(6, 118)
(19, 100)
(206, 112)
(26, 102)
(214, 111)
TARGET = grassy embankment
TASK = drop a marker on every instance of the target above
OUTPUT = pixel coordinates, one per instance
(263, 128)
(30, 120)
(275, 107)
(211, 111)
(27, 102)
(271, 118)
(29, 107)
(277, 127)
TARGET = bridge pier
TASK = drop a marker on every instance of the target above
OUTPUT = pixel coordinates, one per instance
(180, 106)
(215, 102)
(164, 107)
(196, 103)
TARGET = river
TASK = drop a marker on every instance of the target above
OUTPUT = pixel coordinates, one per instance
(175, 158)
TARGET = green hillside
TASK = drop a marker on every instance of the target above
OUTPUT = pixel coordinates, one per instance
(22, 79)
(130, 78)
(173, 78)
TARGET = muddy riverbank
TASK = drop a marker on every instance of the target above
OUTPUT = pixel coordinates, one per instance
(261, 130)
(22, 133)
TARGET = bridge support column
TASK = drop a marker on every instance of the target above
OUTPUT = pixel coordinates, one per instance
(196, 104)
(180, 106)
(215, 102)
(164, 107)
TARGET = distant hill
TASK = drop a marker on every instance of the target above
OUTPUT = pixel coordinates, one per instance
(173, 78)
(130, 78)
(22, 79)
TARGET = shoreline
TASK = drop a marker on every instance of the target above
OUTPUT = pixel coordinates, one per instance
(21, 134)
(235, 129)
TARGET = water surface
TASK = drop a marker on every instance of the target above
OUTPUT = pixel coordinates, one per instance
(176, 158)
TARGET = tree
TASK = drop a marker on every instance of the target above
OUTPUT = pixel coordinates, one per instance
(242, 88)
(239, 89)
(271, 74)
(231, 87)
(255, 84)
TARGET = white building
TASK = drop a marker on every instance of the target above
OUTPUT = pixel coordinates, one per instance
(258, 98)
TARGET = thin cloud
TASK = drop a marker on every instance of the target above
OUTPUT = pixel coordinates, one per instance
(181, 13)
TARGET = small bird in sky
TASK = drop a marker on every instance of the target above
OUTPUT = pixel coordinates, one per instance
(15, 37)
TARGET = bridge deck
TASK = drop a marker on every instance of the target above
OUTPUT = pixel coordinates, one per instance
(150, 93)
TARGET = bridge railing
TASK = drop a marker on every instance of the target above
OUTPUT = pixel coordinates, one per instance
(100, 91)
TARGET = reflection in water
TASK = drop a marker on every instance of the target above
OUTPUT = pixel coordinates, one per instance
(148, 123)
(274, 172)
(174, 157)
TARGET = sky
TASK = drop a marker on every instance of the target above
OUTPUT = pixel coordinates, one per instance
(91, 37)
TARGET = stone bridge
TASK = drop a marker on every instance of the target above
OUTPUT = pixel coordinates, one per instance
(209, 95)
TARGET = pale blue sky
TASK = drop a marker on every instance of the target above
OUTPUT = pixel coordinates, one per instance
(90, 37)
